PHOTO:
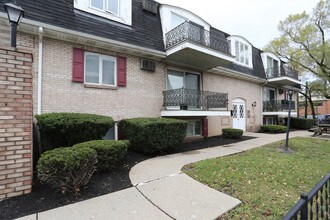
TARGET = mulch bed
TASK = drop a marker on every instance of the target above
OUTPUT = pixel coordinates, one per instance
(43, 197)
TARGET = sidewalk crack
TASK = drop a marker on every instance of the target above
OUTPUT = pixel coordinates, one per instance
(157, 179)
(153, 203)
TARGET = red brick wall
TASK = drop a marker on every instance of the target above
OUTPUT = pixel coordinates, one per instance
(319, 110)
(15, 122)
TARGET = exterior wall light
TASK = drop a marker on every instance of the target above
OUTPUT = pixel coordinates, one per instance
(15, 14)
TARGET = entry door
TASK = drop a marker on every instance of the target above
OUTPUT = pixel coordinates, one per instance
(239, 120)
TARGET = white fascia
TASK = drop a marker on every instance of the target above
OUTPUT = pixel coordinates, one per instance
(173, 113)
(235, 74)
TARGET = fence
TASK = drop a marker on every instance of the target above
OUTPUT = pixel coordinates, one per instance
(315, 204)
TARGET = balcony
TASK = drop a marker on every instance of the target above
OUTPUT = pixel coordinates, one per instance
(190, 102)
(278, 107)
(192, 45)
(284, 76)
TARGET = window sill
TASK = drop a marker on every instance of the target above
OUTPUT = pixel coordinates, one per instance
(95, 86)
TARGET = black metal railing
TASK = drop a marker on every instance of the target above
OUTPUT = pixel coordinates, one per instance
(315, 204)
(278, 105)
(290, 72)
(196, 99)
(188, 31)
(283, 71)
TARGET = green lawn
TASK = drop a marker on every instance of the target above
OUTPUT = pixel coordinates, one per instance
(267, 181)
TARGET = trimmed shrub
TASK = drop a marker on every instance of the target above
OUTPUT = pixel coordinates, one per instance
(109, 152)
(67, 129)
(153, 135)
(274, 129)
(232, 133)
(67, 169)
(301, 123)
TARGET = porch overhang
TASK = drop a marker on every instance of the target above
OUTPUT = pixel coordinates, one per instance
(284, 81)
(282, 114)
(187, 113)
(189, 54)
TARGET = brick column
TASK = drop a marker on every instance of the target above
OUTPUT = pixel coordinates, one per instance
(15, 122)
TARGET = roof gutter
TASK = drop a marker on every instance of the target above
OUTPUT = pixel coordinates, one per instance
(134, 48)
(236, 74)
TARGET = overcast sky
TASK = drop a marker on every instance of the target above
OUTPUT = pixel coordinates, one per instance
(256, 20)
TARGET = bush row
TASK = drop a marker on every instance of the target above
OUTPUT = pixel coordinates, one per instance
(232, 133)
(274, 129)
(69, 169)
(67, 129)
(301, 123)
(153, 135)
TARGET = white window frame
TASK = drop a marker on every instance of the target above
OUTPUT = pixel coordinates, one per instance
(101, 58)
(184, 72)
(245, 53)
(106, 7)
(194, 124)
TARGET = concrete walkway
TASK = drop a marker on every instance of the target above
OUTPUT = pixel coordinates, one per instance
(162, 191)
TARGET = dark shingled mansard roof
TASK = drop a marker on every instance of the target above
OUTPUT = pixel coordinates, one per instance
(146, 29)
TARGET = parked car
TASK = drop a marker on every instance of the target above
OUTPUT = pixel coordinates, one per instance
(323, 119)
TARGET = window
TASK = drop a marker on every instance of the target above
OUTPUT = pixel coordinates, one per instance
(100, 69)
(270, 121)
(269, 94)
(176, 20)
(194, 128)
(106, 5)
(242, 53)
(178, 80)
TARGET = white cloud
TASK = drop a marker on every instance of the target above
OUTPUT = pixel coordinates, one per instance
(256, 20)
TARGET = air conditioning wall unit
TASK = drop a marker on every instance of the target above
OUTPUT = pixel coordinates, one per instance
(147, 65)
(150, 6)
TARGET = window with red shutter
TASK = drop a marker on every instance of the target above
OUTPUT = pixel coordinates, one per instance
(121, 71)
(78, 65)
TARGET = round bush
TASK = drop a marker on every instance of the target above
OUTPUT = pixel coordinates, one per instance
(274, 129)
(232, 133)
(67, 169)
(67, 129)
(109, 152)
(153, 135)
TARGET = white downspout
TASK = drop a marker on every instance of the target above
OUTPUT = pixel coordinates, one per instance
(262, 102)
(41, 32)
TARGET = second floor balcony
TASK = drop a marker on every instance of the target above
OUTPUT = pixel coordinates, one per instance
(284, 76)
(191, 44)
(196, 101)
(278, 106)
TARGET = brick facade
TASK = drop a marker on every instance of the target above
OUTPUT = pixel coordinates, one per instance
(15, 122)
(250, 92)
(321, 107)
(142, 97)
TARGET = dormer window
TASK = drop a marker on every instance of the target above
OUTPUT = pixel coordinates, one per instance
(111, 6)
(114, 10)
(242, 50)
(176, 20)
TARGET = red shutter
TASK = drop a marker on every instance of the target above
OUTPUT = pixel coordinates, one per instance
(205, 129)
(78, 65)
(121, 71)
